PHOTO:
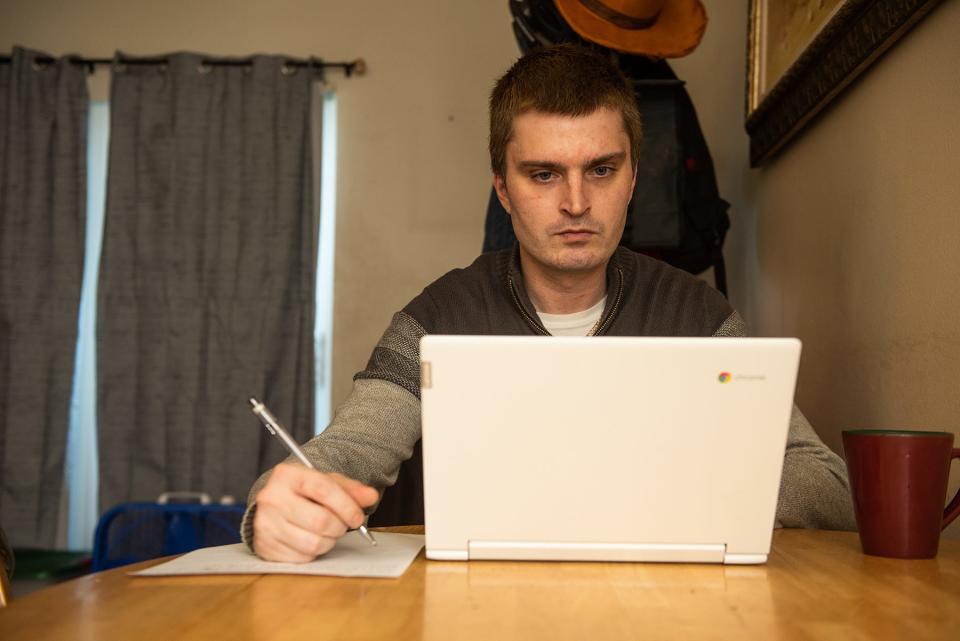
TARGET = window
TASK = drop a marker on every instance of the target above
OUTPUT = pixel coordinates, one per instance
(323, 322)
(81, 466)
(82, 474)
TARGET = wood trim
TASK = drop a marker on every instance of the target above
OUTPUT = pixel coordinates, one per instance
(857, 35)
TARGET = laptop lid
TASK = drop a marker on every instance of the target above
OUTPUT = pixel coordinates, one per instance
(604, 448)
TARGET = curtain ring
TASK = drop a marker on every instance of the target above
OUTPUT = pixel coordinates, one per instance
(39, 66)
(316, 68)
(117, 66)
(287, 69)
(204, 68)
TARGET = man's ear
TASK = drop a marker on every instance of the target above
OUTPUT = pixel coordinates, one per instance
(500, 186)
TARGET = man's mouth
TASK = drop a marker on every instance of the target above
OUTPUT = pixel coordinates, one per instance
(573, 235)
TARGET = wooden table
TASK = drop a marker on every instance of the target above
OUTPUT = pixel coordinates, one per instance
(817, 585)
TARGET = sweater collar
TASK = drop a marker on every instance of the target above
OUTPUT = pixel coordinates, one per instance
(518, 290)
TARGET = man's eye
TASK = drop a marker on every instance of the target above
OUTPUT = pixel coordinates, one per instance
(542, 176)
(602, 171)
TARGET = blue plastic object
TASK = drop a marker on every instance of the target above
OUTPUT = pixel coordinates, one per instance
(133, 532)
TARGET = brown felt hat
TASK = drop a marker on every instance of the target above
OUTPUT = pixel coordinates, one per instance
(655, 28)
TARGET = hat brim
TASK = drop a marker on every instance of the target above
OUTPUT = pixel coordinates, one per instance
(676, 32)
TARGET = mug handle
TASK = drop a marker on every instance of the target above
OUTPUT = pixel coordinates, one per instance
(953, 509)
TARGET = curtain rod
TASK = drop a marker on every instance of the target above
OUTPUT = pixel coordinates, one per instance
(358, 66)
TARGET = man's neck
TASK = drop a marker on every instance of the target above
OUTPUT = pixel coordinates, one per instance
(563, 292)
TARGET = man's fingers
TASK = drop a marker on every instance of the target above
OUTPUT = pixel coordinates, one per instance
(288, 479)
(327, 490)
(280, 501)
(271, 549)
(312, 517)
(302, 512)
(277, 539)
(364, 495)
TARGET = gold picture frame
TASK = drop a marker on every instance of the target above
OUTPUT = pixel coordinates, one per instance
(802, 53)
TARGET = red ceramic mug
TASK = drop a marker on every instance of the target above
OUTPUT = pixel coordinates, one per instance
(898, 479)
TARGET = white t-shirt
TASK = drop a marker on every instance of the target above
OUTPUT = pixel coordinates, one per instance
(575, 324)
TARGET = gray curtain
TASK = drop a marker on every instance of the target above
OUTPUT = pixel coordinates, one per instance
(206, 293)
(43, 109)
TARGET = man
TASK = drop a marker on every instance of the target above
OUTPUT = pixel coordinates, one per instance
(564, 136)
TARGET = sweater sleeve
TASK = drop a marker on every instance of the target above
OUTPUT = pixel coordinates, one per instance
(814, 490)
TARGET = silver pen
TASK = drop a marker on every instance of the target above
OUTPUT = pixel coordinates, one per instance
(273, 426)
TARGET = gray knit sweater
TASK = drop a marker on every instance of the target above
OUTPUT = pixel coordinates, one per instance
(377, 427)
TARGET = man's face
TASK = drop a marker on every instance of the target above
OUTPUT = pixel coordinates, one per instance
(567, 186)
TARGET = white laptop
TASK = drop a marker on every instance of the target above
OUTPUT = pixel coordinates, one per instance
(604, 448)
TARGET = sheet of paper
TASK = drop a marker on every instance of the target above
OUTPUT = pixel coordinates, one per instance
(352, 556)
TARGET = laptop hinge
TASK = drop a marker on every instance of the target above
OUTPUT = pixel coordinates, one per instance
(544, 551)
(447, 555)
(426, 375)
(744, 559)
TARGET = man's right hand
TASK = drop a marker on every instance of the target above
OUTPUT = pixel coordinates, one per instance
(302, 512)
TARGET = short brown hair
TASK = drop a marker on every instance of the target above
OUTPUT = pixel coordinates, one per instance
(565, 79)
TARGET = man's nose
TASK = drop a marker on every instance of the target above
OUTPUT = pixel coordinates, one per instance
(575, 200)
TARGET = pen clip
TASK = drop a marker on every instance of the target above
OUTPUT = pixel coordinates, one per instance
(258, 409)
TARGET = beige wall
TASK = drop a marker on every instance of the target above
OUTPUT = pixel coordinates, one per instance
(858, 244)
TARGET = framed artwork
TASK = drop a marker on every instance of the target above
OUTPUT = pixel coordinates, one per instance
(802, 53)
